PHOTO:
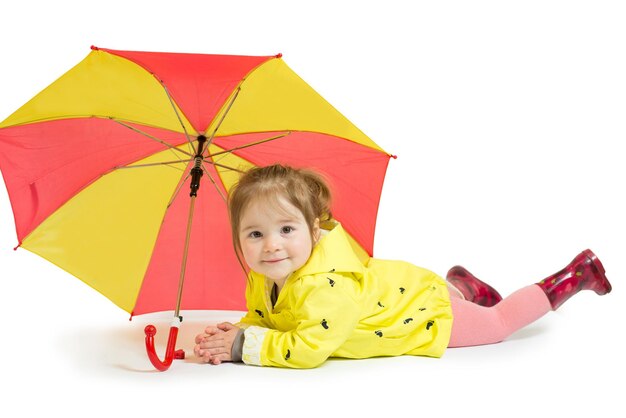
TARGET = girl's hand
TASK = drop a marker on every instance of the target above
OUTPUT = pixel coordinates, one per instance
(216, 344)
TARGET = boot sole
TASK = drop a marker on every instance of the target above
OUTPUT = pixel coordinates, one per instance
(460, 284)
(599, 269)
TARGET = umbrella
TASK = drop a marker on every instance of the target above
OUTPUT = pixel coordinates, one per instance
(103, 169)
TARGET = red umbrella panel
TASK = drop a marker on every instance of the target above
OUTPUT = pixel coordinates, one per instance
(99, 166)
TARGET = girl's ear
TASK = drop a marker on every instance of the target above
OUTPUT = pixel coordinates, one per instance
(316, 232)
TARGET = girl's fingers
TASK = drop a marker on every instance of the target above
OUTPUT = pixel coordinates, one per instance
(212, 329)
(212, 347)
(211, 343)
(203, 355)
(208, 355)
(211, 355)
(225, 326)
(217, 351)
(220, 358)
(209, 331)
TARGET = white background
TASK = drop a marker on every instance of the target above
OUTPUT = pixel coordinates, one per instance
(508, 120)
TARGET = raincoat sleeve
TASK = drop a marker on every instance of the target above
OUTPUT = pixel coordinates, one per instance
(257, 310)
(325, 312)
(251, 318)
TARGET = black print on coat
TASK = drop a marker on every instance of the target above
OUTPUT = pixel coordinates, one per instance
(288, 356)
(324, 324)
(429, 324)
(379, 333)
(402, 289)
(331, 282)
(381, 305)
(406, 321)
(260, 313)
(332, 271)
(422, 309)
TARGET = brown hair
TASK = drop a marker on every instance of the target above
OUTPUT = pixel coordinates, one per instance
(305, 189)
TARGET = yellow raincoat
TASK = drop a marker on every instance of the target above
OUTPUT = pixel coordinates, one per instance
(334, 306)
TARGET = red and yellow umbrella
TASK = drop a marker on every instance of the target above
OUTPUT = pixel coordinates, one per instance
(103, 167)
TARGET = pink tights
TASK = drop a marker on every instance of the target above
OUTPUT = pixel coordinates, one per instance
(477, 325)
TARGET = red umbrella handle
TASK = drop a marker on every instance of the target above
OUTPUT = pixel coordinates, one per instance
(170, 352)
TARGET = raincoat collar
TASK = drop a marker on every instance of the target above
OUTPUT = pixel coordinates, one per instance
(333, 253)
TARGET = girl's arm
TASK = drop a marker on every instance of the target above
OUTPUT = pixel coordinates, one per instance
(326, 313)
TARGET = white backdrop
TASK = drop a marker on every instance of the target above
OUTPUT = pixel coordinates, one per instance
(508, 121)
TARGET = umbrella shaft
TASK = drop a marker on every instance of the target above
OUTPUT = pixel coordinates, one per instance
(196, 175)
(196, 171)
(183, 266)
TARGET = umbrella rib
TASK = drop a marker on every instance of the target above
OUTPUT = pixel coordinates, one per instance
(139, 131)
(168, 163)
(226, 167)
(180, 186)
(230, 104)
(214, 183)
(169, 96)
(229, 151)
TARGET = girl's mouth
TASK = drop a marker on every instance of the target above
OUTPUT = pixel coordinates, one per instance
(276, 260)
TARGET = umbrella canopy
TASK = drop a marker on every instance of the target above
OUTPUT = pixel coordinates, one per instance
(97, 168)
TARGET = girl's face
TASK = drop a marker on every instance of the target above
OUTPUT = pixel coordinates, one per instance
(275, 242)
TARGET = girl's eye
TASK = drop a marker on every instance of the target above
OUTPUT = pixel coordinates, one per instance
(255, 234)
(286, 229)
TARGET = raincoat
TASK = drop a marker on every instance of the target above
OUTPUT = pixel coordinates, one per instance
(335, 306)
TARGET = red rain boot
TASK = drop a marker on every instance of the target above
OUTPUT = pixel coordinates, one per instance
(472, 288)
(585, 272)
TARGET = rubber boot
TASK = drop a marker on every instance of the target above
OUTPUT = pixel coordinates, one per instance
(472, 289)
(585, 272)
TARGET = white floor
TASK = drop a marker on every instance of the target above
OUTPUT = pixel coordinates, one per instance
(79, 355)
(508, 120)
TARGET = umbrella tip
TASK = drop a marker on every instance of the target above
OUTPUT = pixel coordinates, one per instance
(279, 55)
(94, 48)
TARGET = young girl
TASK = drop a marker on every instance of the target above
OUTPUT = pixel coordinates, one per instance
(309, 297)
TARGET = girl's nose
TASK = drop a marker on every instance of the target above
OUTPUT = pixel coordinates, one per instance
(272, 244)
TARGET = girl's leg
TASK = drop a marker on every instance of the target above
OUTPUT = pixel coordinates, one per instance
(477, 325)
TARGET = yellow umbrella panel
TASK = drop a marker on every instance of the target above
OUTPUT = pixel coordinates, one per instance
(99, 169)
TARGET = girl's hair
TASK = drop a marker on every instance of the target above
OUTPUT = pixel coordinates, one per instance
(305, 189)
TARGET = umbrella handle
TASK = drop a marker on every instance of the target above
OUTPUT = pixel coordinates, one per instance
(170, 352)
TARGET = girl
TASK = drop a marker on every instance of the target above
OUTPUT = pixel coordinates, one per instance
(309, 297)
